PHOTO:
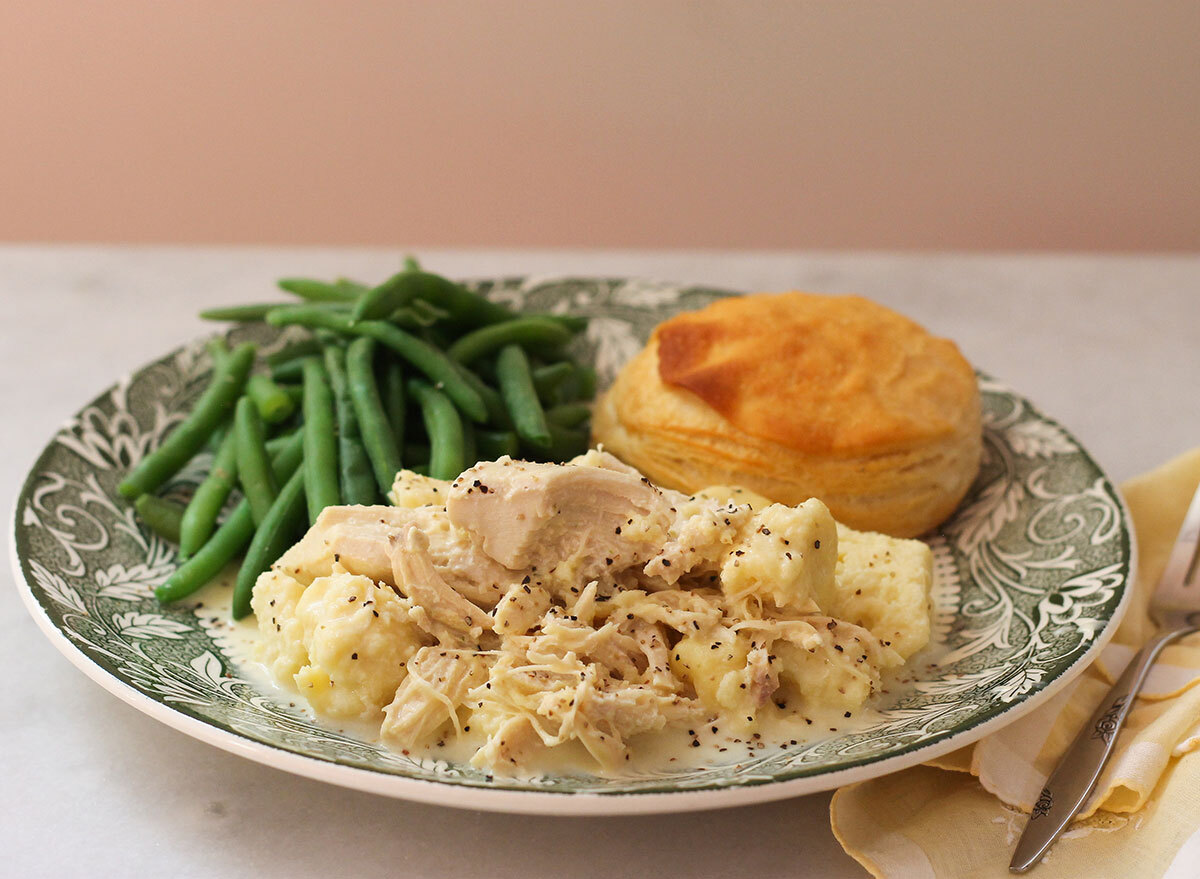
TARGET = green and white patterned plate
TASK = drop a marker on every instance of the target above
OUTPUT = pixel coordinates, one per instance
(1032, 573)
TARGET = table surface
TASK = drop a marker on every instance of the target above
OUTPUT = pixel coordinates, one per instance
(91, 787)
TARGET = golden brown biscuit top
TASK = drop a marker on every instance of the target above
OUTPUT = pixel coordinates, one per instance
(818, 373)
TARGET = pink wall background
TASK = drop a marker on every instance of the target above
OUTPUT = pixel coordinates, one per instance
(939, 124)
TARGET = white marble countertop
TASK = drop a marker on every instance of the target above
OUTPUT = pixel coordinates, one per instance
(1108, 345)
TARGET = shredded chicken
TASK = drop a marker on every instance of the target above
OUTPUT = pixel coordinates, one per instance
(450, 617)
(544, 604)
(436, 685)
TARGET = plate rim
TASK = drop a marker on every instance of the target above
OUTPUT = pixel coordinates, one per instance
(554, 801)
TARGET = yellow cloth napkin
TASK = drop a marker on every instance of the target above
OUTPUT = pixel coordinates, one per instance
(960, 816)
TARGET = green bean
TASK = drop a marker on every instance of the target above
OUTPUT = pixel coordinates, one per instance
(320, 452)
(218, 436)
(576, 323)
(416, 454)
(200, 517)
(520, 396)
(276, 444)
(468, 307)
(470, 446)
(445, 430)
(395, 400)
(414, 317)
(493, 444)
(384, 299)
(333, 308)
(290, 370)
(190, 436)
(233, 535)
(302, 348)
(533, 331)
(429, 360)
(313, 316)
(326, 337)
(272, 402)
(354, 467)
(258, 311)
(547, 378)
(485, 368)
(580, 385)
(430, 309)
(377, 433)
(162, 516)
(217, 350)
(565, 444)
(569, 414)
(270, 540)
(462, 305)
(492, 403)
(341, 290)
(426, 313)
(295, 392)
(435, 336)
(253, 465)
(585, 377)
(239, 313)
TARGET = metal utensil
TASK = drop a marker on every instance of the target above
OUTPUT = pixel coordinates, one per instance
(1175, 607)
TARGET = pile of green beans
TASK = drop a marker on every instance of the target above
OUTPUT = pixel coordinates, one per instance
(418, 372)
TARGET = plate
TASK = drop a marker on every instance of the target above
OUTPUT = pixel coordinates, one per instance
(1031, 575)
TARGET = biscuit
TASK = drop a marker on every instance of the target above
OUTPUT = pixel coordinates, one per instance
(798, 395)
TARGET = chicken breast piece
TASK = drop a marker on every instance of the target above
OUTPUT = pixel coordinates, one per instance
(582, 522)
(458, 557)
(354, 537)
(358, 539)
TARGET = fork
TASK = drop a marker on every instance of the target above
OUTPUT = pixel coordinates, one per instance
(1175, 608)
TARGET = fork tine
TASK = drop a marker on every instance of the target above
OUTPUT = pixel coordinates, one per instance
(1179, 565)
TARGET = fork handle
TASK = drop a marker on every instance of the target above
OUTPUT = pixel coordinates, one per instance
(1078, 770)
